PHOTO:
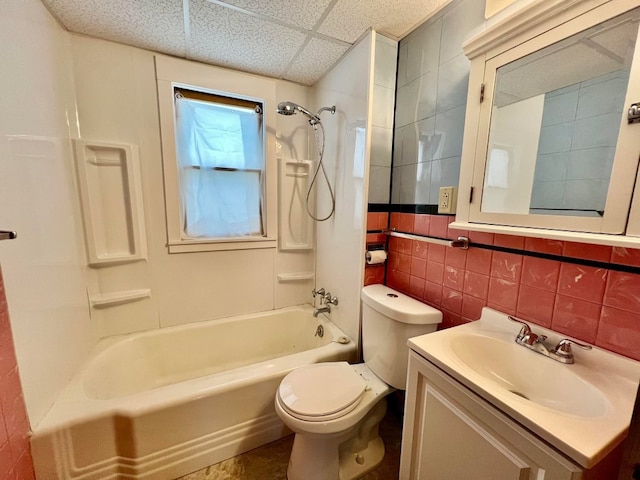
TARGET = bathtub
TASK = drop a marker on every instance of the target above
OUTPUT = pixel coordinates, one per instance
(161, 404)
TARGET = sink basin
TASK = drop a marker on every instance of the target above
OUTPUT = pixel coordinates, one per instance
(582, 409)
(528, 375)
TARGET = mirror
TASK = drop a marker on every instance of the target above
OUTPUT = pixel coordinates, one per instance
(555, 120)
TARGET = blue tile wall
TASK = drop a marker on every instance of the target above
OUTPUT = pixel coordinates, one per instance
(580, 125)
(384, 79)
(431, 97)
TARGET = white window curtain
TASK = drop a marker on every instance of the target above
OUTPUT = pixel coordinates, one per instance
(221, 165)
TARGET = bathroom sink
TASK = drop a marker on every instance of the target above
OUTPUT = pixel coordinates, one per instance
(528, 375)
(582, 409)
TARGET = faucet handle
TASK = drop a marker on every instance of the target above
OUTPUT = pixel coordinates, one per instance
(329, 299)
(315, 292)
(563, 349)
(525, 330)
(525, 335)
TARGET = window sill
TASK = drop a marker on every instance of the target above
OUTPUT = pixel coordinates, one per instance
(191, 246)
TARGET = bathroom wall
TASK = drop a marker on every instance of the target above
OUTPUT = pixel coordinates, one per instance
(44, 268)
(590, 292)
(63, 87)
(383, 106)
(431, 98)
(117, 102)
(383, 101)
(535, 279)
(340, 240)
(15, 452)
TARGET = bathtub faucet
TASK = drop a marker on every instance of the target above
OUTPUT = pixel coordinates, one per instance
(318, 311)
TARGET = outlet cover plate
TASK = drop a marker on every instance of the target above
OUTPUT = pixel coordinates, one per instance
(447, 200)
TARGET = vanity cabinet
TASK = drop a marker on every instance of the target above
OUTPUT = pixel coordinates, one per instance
(450, 433)
(549, 149)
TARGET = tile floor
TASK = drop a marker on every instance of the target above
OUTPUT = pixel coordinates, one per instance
(269, 462)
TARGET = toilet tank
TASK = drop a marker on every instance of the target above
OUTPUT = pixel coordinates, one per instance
(389, 319)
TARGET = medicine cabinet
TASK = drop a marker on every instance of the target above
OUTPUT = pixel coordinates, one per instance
(552, 140)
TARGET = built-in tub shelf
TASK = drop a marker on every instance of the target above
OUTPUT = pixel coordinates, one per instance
(111, 200)
(295, 277)
(118, 298)
(294, 224)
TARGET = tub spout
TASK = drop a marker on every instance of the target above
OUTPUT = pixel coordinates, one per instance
(318, 311)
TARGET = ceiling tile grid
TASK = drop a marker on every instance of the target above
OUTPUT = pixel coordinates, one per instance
(298, 40)
(348, 19)
(152, 24)
(314, 60)
(232, 39)
(301, 13)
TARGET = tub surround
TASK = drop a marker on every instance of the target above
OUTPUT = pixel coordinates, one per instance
(44, 267)
(339, 240)
(595, 304)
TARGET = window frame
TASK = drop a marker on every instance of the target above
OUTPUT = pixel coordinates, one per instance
(174, 73)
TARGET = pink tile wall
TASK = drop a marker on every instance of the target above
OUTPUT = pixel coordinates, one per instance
(15, 453)
(597, 305)
(375, 221)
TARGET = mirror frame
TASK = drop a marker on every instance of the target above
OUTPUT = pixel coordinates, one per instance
(516, 33)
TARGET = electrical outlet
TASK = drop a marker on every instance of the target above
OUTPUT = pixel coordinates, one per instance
(447, 200)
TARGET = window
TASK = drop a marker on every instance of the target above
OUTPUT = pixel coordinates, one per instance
(218, 159)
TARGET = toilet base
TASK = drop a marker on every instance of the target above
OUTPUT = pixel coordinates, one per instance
(342, 456)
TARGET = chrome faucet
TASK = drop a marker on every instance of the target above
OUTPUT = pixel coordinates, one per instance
(561, 352)
(318, 293)
(325, 299)
(318, 311)
(328, 299)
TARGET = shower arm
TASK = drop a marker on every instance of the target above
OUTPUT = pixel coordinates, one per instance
(331, 109)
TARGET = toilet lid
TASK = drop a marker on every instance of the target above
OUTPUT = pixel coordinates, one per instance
(321, 391)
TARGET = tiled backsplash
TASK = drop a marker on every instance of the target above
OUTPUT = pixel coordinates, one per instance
(15, 453)
(597, 305)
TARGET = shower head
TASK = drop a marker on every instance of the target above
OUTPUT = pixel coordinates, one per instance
(290, 108)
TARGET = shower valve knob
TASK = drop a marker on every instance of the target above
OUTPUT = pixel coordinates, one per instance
(316, 293)
(329, 299)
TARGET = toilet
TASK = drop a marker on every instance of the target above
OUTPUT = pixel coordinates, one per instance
(334, 408)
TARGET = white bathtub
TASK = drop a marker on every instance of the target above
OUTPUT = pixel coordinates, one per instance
(158, 405)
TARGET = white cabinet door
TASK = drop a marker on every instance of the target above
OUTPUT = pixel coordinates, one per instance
(456, 446)
(450, 433)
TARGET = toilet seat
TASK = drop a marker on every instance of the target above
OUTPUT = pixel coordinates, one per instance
(322, 391)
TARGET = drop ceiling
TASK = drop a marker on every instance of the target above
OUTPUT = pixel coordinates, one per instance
(297, 40)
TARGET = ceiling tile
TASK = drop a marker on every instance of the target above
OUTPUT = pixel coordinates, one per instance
(350, 18)
(316, 58)
(151, 24)
(232, 39)
(302, 13)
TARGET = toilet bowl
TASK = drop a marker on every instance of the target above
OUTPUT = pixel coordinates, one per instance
(335, 408)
